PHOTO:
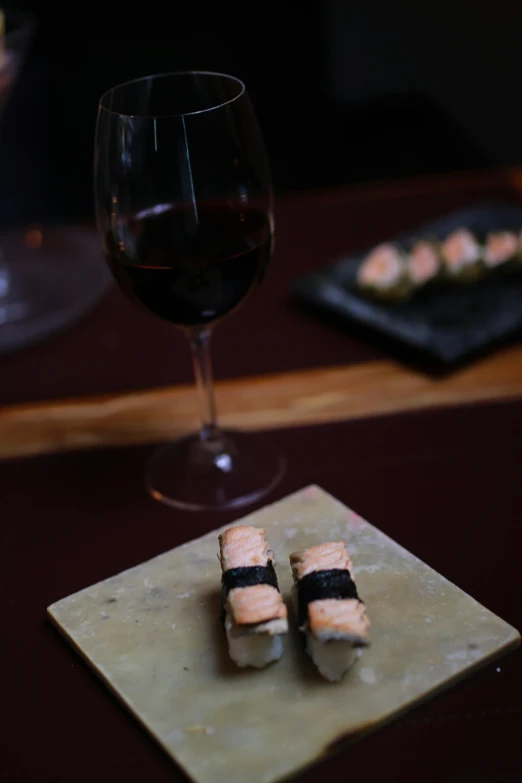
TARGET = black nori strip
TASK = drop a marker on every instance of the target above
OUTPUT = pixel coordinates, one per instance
(245, 576)
(334, 583)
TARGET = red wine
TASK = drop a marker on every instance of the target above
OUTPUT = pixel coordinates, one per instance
(191, 266)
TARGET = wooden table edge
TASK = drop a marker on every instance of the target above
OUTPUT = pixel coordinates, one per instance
(292, 399)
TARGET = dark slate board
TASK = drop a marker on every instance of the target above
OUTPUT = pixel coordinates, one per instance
(450, 322)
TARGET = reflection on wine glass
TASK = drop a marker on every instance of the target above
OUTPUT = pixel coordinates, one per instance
(184, 207)
(47, 277)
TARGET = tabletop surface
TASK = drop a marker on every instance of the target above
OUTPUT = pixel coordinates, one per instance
(444, 483)
(118, 347)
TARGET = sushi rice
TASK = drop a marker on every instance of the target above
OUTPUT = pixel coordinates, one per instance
(256, 648)
(332, 658)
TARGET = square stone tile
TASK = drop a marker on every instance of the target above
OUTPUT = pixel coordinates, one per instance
(153, 635)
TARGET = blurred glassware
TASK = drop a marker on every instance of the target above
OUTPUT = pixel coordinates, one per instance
(47, 278)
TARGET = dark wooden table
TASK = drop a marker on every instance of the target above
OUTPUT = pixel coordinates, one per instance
(436, 466)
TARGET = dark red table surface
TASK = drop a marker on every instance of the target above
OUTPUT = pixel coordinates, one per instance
(445, 484)
(117, 347)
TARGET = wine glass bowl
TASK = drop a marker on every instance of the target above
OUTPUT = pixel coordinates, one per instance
(220, 255)
(48, 276)
(184, 207)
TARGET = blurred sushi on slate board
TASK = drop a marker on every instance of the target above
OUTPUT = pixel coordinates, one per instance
(424, 263)
(501, 248)
(384, 274)
(391, 273)
(449, 288)
(462, 256)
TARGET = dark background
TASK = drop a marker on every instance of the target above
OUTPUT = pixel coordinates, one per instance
(344, 91)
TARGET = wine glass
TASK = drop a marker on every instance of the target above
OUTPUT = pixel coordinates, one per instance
(48, 277)
(184, 209)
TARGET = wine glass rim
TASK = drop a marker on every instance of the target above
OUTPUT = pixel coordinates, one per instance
(241, 92)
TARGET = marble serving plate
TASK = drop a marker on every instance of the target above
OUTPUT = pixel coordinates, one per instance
(153, 634)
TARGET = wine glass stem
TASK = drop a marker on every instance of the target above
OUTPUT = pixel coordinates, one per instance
(200, 345)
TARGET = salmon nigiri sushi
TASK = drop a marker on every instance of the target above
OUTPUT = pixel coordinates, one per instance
(501, 247)
(424, 263)
(252, 608)
(383, 273)
(462, 256)
(329, 611)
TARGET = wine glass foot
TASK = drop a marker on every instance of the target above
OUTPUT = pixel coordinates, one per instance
(195, 476)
